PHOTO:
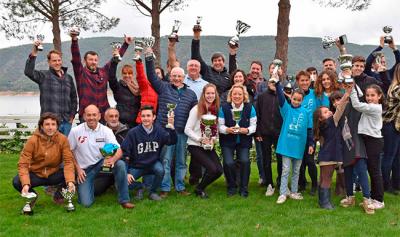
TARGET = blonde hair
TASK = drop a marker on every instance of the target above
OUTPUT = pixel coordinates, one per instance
(245, 93)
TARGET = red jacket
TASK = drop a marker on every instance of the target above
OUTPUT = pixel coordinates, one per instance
(148, 95)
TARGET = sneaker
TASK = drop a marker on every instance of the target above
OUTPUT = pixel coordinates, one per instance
(201, 194)
(281, 199)
(184, 193)
(348, 201)
(296, 196)
(260, 181)
(377, 204)
(368, 206)
(164, 194)
(155, 197)
(139, 194)
(270, 191)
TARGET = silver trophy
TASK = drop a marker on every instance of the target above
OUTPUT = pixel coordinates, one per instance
(68, 196)
(116, 46)
(345, 61)
(241, 28)
(175, 28)
(378, 57)
(277, 63)
(149, 43)
(208, 120)
(40, 38)
(171, 107)
(30, 198)
(387, 38)
(197, 27)
(139, 45)
(328, 41)
(236, 115)
(74, 31)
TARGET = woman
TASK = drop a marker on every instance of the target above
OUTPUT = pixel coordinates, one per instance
(236, 138)
(325, 84)
(239, 77)
(198, 141)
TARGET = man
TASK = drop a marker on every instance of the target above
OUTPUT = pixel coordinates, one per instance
(86, 140)
(217, 72)
(329, 64)
(193, 78)
(91, 80)
(57, 89)
(175, 92)
(143, 147)
(40, 160)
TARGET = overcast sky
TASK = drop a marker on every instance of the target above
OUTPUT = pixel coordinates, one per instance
(307, 18)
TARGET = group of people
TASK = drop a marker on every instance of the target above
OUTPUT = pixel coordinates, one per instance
(354, 125)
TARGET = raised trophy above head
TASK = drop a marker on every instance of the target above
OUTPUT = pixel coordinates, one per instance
(236, 115)
(116, 46)
(175, 28)
(74, 30)
(68, 196)
(108, 150)
(197, 27)
(207, 121)
(277, 63)
(149, 43)
(139, 45)
(387, 38)
(40, 38)
(328, 41)
(241, 28)
(345, 61)
(378, 56)
(30, 198)
(171, 107)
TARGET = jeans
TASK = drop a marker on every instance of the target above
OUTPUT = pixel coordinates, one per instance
(242, 155)
(259, 158)
(86, 189)
(157, 170)
(55, 179)
(65, 127)
(286, 162)
(391, 150)
(179, 149)
(374, 148)
(360, 168)
(267, 160)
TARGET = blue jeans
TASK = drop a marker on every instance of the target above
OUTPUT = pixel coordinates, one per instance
(65, 127)
(157, 171)
(259, 158)
(179, 149)
(391, 152)
(242, 155)
(296, 164)
(360, 169)
(86, 189)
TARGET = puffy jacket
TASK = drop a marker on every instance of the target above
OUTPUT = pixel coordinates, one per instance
(148, 95)
(269, 119)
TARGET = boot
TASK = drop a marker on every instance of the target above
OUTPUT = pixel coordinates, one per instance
(349, 201)
(368, 206)
(324, 201)
(340, 187)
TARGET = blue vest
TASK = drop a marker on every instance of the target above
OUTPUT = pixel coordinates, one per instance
(230, 140)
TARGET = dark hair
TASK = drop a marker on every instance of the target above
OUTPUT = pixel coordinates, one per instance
(244, 76)
(317, 123)
(328, 59)
(147, 107)
(54, 51)
(336, 95)
(91, 53)
(302, 73)
(162, 72)
(48, 115)
(311, 69)
(378, 90)
(257, 62)
(358, 58)
(217, 55)
(298, 91)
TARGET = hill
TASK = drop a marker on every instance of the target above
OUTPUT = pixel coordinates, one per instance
(303, 52)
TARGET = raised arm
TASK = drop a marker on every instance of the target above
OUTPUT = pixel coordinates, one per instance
(157, 84)
(232, 59)
(172, 52)
(341, 106)
(141, 76)
(112, 73)
(76, 58)
(279, 92)
(196, 53)
(363, 107)
(371, 57)
(396, 53)
(34, 75)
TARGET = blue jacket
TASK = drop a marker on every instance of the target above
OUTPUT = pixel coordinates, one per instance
(184, 98)
(370, 60)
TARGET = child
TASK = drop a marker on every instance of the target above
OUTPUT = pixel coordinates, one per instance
(327, 132)
(369, 127)
(292, 140)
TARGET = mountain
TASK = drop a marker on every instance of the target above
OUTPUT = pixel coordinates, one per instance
(303, 52)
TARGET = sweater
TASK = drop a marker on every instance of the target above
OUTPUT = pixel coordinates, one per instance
(43, 155)
(144, 149)
(269, 120)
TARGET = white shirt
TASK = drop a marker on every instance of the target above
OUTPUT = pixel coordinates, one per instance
(195, 85)
(192, 128)
(86, 143)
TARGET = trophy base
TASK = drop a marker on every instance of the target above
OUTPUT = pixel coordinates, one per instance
(196, 28)
(208, 147)
(117, 58)
(173, 38)
(136, 58)
(40, 48)
(387, 40)
(106, 169)
(70, 207)
(168, 126)
(27, 210)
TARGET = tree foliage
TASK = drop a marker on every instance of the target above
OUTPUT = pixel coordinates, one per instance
(354, 5)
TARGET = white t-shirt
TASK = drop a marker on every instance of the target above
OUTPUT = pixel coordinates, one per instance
(86, 143)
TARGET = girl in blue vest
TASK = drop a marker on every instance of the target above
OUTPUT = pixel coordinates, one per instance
(292, 140)
(237, 138)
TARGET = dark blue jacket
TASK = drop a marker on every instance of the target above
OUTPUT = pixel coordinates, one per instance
(184, 98)
(370, 60)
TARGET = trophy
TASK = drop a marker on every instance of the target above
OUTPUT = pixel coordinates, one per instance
(387, 38)
(378, 56)
(241, 28)
(40, 38)
(328, 41)
(68, 196)
(30, 200)
(278, 63)
(174, 35)
(107, 151)
(197, 27)
(345, 64)
(207, 121)
(149, 43)
(288, 88)
(237, 115)
(170, 108)
(116, 46)
(139, 44)
(74, 31)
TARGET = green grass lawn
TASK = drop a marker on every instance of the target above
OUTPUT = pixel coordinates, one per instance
(190, 216)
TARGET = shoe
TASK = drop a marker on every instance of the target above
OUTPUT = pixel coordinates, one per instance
(261, 182)
(58, 198)
(127, 205)
(270, 191)
(301, 188)
(244, 194)
(201, 194)
(313, 190)
(281, 199)
(155, 197)
(348, 201)
(377, 204)
(324, 198)
(184, 193)
(139, 194)
(296, 196)
(368, 206)
(164, 194)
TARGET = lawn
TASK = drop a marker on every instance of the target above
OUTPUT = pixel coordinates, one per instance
(190, 216)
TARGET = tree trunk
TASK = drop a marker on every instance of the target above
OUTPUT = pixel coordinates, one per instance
(282, 36)
(56, 26)
(155, 29)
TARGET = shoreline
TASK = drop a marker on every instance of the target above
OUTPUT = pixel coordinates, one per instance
(17, 93)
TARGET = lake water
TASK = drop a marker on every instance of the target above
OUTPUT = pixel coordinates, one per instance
(26, 105)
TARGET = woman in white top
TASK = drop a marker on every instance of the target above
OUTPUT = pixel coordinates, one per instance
(201, 137)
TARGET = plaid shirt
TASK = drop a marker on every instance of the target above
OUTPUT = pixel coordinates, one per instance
(392, 112)
(91, 86)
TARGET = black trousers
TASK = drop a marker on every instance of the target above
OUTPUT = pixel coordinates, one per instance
(56, 179)
(309, 162)
(210, 161)
(374, 147)
(266, 144)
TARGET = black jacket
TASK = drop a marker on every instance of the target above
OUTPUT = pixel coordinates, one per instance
(269, 120)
